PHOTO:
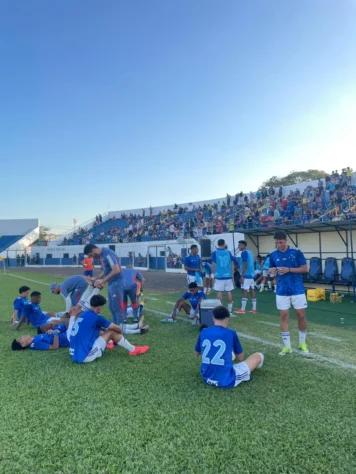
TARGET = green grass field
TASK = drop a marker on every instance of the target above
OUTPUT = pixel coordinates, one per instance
(153, 414)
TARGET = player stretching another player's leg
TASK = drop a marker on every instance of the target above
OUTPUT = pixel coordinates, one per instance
(288, 265)
(247, 281)
(216, 345)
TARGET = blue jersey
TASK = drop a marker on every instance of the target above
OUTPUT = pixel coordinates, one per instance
(19, 304)
(222, 259)
(131, 276)
(192, 261)
(247, 257)
(207, 268)
(194, 299)
(289, 284)
(42, 342)
(266, 265)
(216, 345)
(35, 315)
(73, 284)
(108, 260)
(84, 332)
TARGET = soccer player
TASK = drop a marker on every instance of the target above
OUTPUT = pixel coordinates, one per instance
(71, 289)
(88, 265)
(112, 275)
(192, 265)
(19, 304)
(247, 278)
(222, 268)
(133, 284)
(207, 280)
(289, 264)
(91, 333)
(40, 320)
(216, 345)
(266, 277)
(52, 340)
(195, 297)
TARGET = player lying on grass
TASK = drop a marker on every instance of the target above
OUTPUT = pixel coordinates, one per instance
(91, 333)
(208, 280)
(40, 320)
(53, 339)
(19, 304)
(71, 289)
(216, 345)
(195, 297)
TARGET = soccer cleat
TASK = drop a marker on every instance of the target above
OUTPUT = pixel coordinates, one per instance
(208, 292)
(262, 290)
(110, 344)
(168, 320)
(285, 351)
(139, 350)
(262, 360)
(144, 329)
(240, 311)
(253, 311)
(304, 348)
(195, 322)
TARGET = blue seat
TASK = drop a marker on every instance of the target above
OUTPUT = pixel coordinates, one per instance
(331, 272)
(347, 270)
(315, 269)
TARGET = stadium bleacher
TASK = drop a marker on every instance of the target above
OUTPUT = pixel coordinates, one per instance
(7, 240)
(333, 198)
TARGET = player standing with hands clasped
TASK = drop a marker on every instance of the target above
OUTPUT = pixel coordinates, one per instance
(288, 265)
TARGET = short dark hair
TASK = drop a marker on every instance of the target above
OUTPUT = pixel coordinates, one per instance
(97, 300)
(193, 284)
(280, 235)
(203, 326)
(22, 289)
(220, 313)
(16, 346)
(35, 293)
(221, 242)
(194, 246)
(243, 242)
(89, 248)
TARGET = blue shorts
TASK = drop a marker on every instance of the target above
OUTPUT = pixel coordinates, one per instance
(88, 273)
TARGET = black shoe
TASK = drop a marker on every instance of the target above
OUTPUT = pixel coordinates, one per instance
(144, 329)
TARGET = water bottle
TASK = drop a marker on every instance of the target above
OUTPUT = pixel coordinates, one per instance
(342, 321)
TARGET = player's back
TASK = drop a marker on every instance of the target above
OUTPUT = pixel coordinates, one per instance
(72, 283)
(216, 345)
(222, 259)
(247, 257)
(131, 276)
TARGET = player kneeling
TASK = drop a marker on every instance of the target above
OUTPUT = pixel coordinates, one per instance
(88, 343)
(217, 344)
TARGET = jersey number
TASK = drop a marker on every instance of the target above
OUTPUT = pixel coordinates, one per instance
(224, 261)
(216, 360)
(75, 327)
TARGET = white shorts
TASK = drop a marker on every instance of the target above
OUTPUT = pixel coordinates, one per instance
(249, 283)
(297, 301)
(223, 285)
(243, 373)
(195, 278)
(97, 350)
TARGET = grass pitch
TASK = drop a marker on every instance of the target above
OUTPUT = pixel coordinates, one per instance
(153, 414)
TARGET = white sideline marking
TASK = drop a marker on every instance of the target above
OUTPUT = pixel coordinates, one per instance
(28, 279)
(170, 302)
(150, 298)
(314, 334)
(310, 355)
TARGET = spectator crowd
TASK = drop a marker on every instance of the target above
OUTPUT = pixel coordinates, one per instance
(332, 198)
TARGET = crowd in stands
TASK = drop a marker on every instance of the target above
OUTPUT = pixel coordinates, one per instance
(333, 198)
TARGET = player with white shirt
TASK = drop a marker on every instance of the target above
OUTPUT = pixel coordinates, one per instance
(288, 265)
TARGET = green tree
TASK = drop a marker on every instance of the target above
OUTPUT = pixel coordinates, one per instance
(294, 177)
(44, 233)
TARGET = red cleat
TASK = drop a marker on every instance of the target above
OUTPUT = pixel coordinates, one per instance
(110, 345)
(139, 350)
(240, 311)
(253, 311)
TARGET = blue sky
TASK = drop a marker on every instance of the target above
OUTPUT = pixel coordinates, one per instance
(112, 104)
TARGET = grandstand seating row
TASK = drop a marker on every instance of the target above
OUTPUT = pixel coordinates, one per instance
(7, 240)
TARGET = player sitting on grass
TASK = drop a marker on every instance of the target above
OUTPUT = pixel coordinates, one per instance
(195, 297)
(52, 340)
(88, 342)
(19, 304)
(40, 320)
(208, 280)
(216, 345)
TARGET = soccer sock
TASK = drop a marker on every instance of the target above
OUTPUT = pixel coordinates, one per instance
(126, 345)
(286, 339)
(229, 306)
(254, 304)
(275, 288)
(131, 331)
(262, 286)
(205, 290)
(243, 303)
(269, 284)
(302, 336)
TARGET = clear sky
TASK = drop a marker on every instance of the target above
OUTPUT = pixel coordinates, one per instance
(113, 104)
